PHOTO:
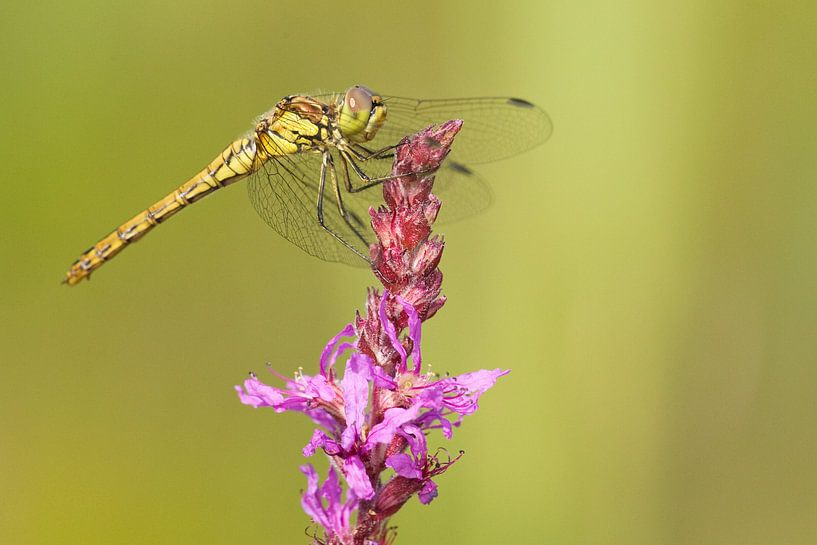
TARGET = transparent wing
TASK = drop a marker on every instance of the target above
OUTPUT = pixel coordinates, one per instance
(463, 192)
(494, 127)
(284, 192)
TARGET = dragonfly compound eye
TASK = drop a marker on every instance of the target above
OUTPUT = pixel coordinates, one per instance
(355, 114)
(358, 99)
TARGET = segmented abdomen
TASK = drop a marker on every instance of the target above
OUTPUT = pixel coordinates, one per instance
(238, 160)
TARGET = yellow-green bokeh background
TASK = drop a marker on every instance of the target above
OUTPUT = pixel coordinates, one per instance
(649, 274)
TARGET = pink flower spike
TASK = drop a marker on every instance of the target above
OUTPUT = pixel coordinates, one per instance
(374, 413)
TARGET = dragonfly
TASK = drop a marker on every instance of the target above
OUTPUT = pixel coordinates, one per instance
(312, 165)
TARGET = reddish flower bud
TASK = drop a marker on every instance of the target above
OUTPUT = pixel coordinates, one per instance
(396, 492)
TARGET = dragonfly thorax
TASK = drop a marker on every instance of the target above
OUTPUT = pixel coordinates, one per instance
(297, 124)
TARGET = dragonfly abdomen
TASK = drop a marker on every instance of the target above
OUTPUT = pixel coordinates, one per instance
(234, 163)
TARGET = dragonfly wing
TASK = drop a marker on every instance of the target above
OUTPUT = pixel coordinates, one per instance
(284, 192)
(463, 192)
(494, 127)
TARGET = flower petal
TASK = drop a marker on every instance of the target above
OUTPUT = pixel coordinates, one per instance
(392, 420)
(388, 327)
(479, 381)
(257, 394)
(428, 492)
(310, 501)
(357, 478)
(317, 387)
(416, 440)
(324, 505)
(323, 418)
(432, 395)
(321, 440)
(415, 331)
(426, 422)
(355, 386)
(331, 490)
(342, 347)
(462, 392)
(382, 379)
(347, 331)
(404, 465)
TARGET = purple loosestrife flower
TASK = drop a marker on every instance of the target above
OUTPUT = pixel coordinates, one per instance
(373, 416)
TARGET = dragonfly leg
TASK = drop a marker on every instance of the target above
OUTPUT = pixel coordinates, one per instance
(339, 199)
(370, 154)
(369, 181)
(327, 164)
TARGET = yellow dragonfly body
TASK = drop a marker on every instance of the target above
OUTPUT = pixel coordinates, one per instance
(290, 161)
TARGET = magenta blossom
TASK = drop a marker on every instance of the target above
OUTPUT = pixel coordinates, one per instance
(375, 414)
(324, 505)
(369, 417)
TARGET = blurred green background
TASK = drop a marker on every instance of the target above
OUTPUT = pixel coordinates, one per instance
(649, 274)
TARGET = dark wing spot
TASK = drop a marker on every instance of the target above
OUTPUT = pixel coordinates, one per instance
(520, 102)
(459, 167)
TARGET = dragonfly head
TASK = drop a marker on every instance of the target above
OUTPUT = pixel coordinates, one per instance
(361, 114)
